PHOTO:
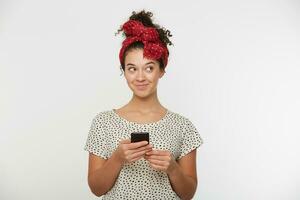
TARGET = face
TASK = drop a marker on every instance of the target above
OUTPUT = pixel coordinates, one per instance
(141, 74)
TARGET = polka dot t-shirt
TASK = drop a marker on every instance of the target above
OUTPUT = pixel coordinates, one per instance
(138, 180)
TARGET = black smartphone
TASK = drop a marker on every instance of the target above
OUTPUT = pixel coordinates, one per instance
(139, 136)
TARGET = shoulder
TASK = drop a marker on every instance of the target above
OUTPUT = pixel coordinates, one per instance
(180, 118)
(102, 116)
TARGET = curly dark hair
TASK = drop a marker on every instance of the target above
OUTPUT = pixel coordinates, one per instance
(145, 18)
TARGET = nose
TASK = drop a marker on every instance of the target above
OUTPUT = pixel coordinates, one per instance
(140, 75)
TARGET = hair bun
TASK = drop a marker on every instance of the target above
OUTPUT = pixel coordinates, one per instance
(146, 19)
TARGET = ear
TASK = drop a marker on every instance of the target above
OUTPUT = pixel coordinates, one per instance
(162, 73)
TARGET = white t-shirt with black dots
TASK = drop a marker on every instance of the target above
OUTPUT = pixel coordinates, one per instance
(138, 180)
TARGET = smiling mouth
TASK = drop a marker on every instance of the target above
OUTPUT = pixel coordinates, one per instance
(142, 87)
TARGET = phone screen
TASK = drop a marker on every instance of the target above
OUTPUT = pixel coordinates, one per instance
(139, 136)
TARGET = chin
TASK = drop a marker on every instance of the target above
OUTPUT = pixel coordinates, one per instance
(142, 94)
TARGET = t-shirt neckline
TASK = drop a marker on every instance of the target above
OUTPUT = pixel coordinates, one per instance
(141, 124)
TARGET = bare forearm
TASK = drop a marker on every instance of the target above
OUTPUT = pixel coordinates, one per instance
(103, 179)
(184, 186)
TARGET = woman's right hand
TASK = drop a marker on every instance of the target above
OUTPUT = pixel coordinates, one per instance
(128, 152)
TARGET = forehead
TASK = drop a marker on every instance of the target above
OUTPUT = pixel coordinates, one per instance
(136, 57)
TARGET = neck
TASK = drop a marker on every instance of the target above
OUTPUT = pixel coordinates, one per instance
(146, 104)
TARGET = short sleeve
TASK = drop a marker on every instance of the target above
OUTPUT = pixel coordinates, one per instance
(191, 139)
(96, 142)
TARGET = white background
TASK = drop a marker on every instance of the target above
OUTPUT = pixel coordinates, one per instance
(233, 71)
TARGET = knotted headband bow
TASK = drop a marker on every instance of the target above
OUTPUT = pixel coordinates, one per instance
(153, 46)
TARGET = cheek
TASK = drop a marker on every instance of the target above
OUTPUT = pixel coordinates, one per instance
(153, 77)
(129, 77)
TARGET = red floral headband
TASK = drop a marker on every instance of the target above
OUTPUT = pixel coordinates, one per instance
(153, 46)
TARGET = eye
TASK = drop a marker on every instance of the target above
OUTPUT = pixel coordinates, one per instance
(149, 68)
(131, 69)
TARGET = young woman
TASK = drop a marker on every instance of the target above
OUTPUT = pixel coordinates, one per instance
(166, 167)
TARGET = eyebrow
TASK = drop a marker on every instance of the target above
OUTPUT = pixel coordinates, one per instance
(151, 62)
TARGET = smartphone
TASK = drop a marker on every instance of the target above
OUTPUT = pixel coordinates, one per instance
(139, 136)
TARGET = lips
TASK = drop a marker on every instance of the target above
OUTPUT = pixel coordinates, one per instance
(141, 87)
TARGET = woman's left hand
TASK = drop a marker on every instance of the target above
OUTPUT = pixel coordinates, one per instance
(161, 160)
